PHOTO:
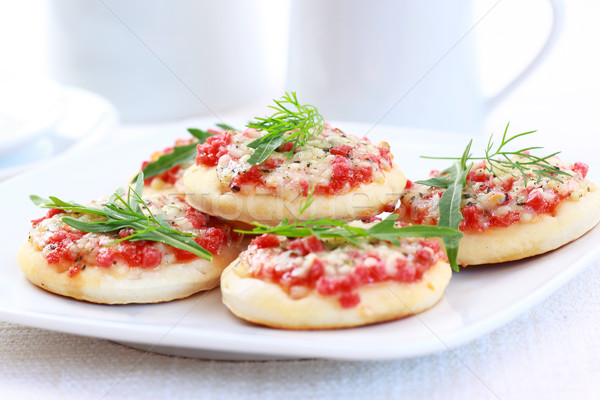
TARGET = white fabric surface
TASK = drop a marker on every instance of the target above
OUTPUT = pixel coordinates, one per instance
(550, 352)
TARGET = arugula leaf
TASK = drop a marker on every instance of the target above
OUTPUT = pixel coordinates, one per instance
(264, 149)
(328, 228)
(200, 134)
(127, 212)
(226, 127)
(180, 155)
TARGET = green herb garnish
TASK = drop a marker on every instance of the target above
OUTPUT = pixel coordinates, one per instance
(127, 211)
(330, 228)
(225, 127)
(179, 155)
(454, 178)
(504, 161)
(299, 122)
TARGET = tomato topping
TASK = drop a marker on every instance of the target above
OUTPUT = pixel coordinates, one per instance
(477, 176)
(582, 168)
(505, 220)
(385, 154)
(51, 213)
(409, 184)
(251, 177)
(59, 244)
(508, 184)
(210, 151)
(286, 147)
(306, 245)
(341, 150)
(344, 175)
(369, 267)
(212, 239)
(472, 219)
(196, 218)
(349, 300)
(537, 202)
(265, 241)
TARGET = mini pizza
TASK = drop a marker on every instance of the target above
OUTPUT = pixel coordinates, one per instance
(506, 218)
(351, 178)
(93, 267)
(309, 284)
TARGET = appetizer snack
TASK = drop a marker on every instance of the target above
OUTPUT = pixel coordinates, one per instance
(511, 208)
(116, 267)
(351, 177)
(355, 274)
(307, 283)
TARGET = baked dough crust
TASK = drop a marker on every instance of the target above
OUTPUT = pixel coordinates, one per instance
(547, 232)
(266, 303)
(206, 193)
(122, 284)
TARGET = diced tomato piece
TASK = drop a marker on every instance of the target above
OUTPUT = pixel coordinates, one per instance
(151, 257)
(307, 245)
(477, 176)
(349, 300)
(210, 151)
(505, 220)
(252, 177)
(286, 147)
(582, 168)
(316, 271)
(432, 244)
(384, 152)
(59, 243)
(196, 218)
(507, 184)
(212, 239)
(105, 257)
(472, 219)
(271, 163)
(537, 202)
(328, 286)
(341, 150)
(265, 241)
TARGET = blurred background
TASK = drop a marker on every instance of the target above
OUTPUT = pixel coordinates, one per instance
(458, 66)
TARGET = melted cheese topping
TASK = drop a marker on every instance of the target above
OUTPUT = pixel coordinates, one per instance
(310, 165)
(499, 198)
(336, 268)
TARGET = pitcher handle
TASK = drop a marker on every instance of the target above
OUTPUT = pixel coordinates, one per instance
(555, 31)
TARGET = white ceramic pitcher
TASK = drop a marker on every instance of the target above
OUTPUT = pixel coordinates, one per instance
(409, 63)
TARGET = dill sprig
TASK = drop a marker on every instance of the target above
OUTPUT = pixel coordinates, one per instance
(127, 211)
(506, 161)
(299, 122)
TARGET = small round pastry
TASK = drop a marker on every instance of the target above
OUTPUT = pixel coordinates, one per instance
(309, 284)
(92, 267)
(351, 177)
(506, 218)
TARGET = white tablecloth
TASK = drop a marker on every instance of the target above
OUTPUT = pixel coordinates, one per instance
(550, 352)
